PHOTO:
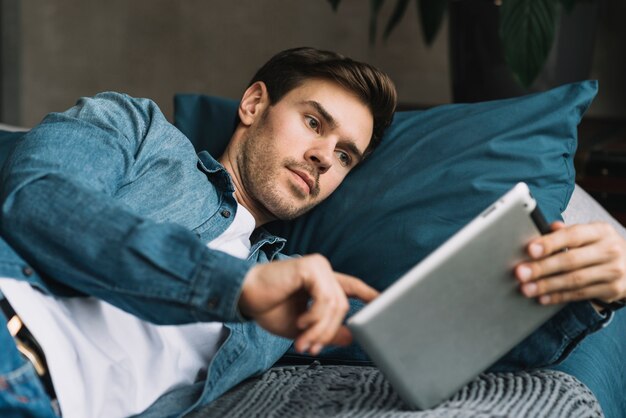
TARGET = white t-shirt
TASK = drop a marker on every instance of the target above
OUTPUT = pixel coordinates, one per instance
(105, 362)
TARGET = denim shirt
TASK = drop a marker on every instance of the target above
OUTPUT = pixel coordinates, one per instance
(110, 200)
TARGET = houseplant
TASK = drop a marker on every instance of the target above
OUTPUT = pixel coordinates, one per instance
(525, 28)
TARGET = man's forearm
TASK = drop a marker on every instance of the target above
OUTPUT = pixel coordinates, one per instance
(60, 214)
(84, 241)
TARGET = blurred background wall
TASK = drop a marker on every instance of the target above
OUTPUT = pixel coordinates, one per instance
(55, 51)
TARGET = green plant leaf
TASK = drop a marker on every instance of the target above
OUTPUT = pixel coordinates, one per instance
(431, 13)
(334, 4)
(396, 16)
(527, 32)
(375, 6)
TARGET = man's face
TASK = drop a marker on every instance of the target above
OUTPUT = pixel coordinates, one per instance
(302, 147)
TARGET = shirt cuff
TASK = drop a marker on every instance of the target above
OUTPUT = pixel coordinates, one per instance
(217, 287)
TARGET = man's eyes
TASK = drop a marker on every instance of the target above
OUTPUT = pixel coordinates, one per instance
(344, 158)
(313, 123)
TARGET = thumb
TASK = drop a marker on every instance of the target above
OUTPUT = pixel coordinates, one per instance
(555, 226)
(343, 337)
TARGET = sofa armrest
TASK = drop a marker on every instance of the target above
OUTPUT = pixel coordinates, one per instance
(12, 128)
(583, 208)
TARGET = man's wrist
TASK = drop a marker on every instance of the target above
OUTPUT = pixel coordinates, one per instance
(242, 303)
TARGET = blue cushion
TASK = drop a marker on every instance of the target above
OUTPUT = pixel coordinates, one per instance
(207, 121)
(434, 171)
(7, 140)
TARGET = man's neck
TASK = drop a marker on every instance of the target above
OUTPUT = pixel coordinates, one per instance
(260, 214)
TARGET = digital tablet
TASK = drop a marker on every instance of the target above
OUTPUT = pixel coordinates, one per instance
(460, 309)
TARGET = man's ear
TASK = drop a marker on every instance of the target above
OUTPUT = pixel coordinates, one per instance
(254, 101)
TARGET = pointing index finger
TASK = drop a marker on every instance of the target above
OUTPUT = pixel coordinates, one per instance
(354, 287)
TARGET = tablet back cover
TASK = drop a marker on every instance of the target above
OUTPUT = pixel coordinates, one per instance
(459, 310)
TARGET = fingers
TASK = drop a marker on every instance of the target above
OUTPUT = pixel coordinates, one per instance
(593, 267)
(323, 330)
(578, 280)
(321, 322)
(354, 287)
(602, 291)
(343, 337)
(277, 296)
(576, 258)
(567, 237)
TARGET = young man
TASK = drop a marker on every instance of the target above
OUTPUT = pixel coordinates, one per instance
(120, 226)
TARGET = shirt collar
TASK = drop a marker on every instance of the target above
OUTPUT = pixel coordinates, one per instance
(214, 169)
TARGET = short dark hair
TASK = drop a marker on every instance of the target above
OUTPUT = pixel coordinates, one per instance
(290, 68)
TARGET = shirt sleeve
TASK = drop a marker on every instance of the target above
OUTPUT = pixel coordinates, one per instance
(59, 212)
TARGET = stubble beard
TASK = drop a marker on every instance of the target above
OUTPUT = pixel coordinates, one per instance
(260, 167)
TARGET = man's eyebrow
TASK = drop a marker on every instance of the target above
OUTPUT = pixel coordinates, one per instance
(328, 118)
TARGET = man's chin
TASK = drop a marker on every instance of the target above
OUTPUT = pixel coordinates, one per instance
(288, 215)
(289, 212)
(287, 205)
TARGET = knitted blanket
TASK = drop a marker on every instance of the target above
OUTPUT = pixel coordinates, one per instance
(351, 391)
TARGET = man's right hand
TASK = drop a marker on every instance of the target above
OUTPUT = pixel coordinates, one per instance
(276, 295)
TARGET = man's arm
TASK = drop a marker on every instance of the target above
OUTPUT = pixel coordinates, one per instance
(59, 213)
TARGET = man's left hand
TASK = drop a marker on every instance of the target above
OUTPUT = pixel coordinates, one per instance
(579, 262)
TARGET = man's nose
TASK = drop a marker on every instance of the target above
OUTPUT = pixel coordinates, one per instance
(321, 156)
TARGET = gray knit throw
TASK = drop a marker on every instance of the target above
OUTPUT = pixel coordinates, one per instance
(351, 391)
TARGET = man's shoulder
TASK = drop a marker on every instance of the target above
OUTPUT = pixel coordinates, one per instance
(122, 100)
(116, 110)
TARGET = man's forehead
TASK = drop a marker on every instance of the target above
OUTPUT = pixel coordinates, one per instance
(341, 107)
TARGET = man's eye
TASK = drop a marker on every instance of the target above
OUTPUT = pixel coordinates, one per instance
(344, 158)
(313, 123)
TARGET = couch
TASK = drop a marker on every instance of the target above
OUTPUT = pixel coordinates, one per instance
(579, 387)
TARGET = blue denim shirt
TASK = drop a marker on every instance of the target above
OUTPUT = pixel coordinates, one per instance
(110, 200)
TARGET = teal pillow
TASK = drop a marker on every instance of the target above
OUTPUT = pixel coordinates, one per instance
(434, 171)
(7, 141)
(207, 121)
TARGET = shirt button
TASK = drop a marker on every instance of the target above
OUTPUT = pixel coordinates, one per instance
(226, 213)
(27, 271)
(212, 303)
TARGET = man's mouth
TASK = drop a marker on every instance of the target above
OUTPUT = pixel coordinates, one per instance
(308, 180)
